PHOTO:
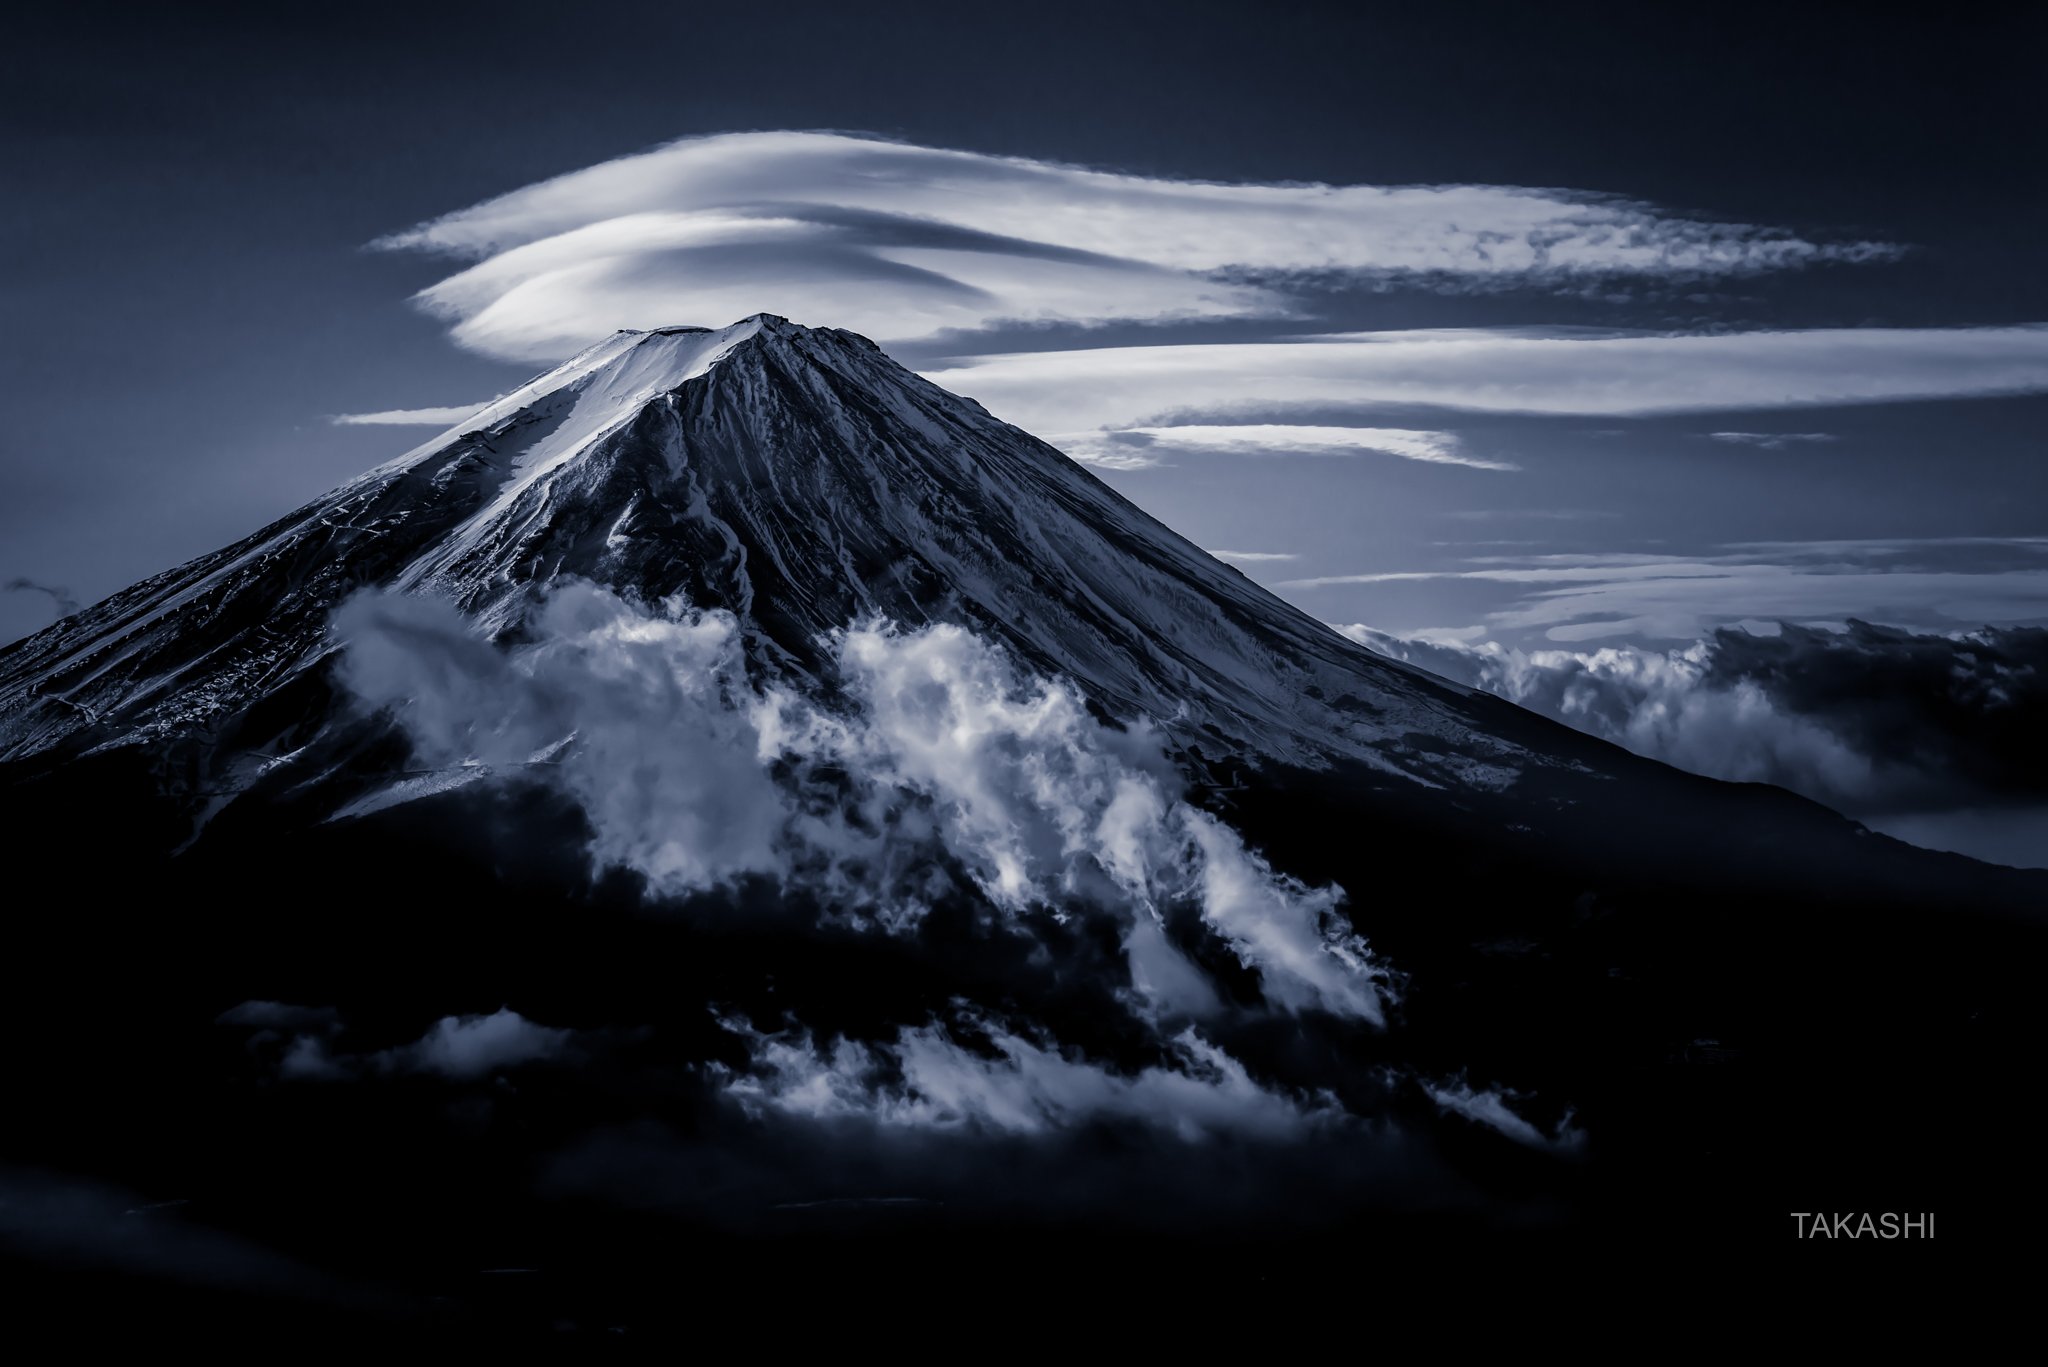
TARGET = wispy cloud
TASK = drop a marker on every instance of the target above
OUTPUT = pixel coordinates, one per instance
(1500, 372)
(926, 1081)
(1100, 450)
(901, 241)
(1528, 514)
(1960, 581)
(1254, 557)
(1770, 441)
(1111, 446)
(64, 599)
(411, 417)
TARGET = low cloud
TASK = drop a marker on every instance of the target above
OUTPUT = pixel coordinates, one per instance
(305, 1044)
(943, 792)
(1496, 1112)
(899, 241)
(467, 1047)
(947, 771)
(1869, 719)
(926, 1080)
(298, 1041)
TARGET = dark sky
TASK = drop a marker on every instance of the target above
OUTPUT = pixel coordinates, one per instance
(185, 298)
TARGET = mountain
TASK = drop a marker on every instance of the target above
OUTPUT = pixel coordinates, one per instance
(801, 479)
(903, 844)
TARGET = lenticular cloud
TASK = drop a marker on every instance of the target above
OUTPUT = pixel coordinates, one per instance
(946, 772)
(900, 242)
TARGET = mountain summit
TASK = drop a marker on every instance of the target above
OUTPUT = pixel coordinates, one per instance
(801, 479)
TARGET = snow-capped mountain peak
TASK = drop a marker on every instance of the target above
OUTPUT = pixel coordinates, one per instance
(803, 480)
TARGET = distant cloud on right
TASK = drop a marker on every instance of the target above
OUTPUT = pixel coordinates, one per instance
(1934, 736)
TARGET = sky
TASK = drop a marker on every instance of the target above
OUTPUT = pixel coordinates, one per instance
(1511, 334)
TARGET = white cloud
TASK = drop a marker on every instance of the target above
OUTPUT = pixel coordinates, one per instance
(1254, 557)
(1504, 372)
(1041, 801)
(466, 1047)
(1102, 451)
(1657, 703)
(689, 815)
(302, 1042)
(1491, 1109)
(1872, 720)
(899, 241)
(412, 417)
(956, 760)
(925, 1080)
(1136, 447)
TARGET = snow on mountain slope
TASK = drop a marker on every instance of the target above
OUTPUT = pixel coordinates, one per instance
(799, 478)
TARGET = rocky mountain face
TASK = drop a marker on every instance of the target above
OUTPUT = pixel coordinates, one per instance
(802, 480)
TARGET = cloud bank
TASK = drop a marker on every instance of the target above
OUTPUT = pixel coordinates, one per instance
(1868, 719)
(1580, 597)
(899, 241)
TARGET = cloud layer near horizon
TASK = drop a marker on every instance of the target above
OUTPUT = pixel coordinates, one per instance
(1613, 594)
(900, 241)
(1869, 719)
